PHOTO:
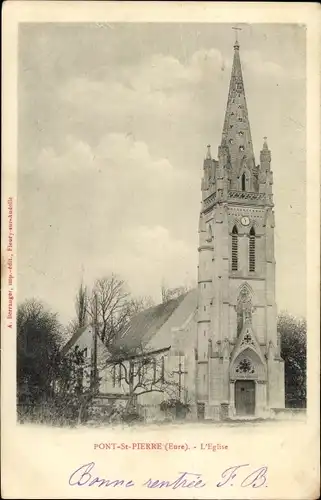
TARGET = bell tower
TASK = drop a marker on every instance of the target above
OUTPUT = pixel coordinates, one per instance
(239, 368)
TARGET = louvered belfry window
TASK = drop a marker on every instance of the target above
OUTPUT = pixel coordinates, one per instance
(234, 249)
(243, 182)
(252, 250)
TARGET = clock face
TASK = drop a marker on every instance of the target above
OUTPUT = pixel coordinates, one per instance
(245, 221)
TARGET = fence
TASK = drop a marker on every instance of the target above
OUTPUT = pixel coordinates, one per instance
(42, 413)
(101, 409)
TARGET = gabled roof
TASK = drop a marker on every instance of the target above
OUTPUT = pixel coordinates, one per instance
(175, 330)
(73, 339)
(247, 340)
(141, 329)
(145, 325)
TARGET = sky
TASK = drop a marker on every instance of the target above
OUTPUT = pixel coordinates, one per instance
(114, 120)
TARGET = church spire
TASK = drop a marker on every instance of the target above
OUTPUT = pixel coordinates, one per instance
(236, 133)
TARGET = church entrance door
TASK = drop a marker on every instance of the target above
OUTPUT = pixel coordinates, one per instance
(245, 397)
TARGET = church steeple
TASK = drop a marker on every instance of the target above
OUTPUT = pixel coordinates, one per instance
(238, 360)
(236, 133)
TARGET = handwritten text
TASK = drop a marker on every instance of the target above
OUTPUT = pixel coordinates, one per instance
(243, 475)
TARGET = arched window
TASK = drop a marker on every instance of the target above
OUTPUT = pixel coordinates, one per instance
(154, 370)
(239, 319)
(234, 249)
(243, 309)
(114, 375)
(243, 182)
(209, 233)
(252, 250)
(119, 374)
(162, 377)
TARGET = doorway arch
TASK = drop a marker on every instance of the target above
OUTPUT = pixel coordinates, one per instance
(245, 397)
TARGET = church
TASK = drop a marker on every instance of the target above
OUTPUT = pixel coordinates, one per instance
(220, 340)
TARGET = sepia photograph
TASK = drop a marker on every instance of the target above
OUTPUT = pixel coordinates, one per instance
(160, 256)
(160, 169)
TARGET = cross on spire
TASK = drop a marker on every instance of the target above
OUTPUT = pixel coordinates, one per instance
(236, 29)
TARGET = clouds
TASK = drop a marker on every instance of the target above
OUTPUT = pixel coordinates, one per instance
(109, 208)
(159, 86)
(115, 155)
(155, 73)
(158, 91)
(166, 73)
(159, 75)
(118, 170)
(253, 62)
(113, 130)
(158, 255)
(160, 97)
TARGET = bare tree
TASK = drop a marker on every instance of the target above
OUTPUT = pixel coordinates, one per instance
(109, 307)
(139, 304)
(81, 308)
(143, 371)
(172, 293)
(81, 304)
